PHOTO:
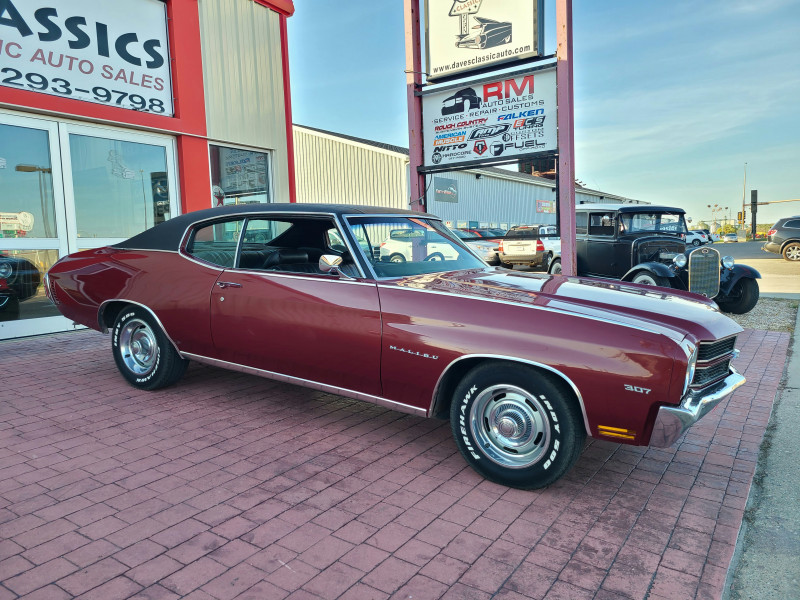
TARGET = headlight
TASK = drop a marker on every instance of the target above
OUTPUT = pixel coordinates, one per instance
(5, 270)
(679, 260)
(691, 352)
(728, 262)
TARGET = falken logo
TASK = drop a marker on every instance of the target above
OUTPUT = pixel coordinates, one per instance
(487, 132)
(420, 354)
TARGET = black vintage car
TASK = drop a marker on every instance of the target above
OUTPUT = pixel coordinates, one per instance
(19, 280)
(646, 244)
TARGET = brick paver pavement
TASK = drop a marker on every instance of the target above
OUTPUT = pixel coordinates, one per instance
(231, 486)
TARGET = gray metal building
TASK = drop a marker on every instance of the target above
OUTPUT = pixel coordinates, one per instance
(336, 168)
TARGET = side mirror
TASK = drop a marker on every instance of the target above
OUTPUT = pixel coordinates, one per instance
(330, 263)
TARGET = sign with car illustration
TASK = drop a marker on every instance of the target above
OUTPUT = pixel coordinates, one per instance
(494, 121)
(463, 35)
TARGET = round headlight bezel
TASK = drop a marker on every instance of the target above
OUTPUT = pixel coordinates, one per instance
(728, 262)
(680, 261)
(6, 270)
(691, 367)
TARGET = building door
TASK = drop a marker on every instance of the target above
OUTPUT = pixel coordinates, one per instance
(66, 187)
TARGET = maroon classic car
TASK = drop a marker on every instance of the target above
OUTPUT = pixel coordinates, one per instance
(524, 365)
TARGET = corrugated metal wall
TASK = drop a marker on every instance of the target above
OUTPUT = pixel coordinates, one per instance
(244, 80)
(338, 171)
(492, 199)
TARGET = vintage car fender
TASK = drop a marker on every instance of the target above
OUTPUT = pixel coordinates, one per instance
(734, 275)
(656, 268)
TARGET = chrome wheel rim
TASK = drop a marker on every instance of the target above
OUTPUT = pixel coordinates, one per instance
(510, 426)
(138, 347)
(793, 253)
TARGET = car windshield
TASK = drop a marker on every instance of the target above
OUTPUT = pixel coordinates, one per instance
(411, 246)
(647, 222)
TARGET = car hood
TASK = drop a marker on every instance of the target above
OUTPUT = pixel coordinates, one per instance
(673, 313)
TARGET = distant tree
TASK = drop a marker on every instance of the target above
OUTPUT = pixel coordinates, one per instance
(726, 229)
(702, 225)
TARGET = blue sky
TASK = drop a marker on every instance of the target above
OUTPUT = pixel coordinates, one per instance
(671, 98)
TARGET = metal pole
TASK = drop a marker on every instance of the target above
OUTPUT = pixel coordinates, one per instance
(413, 82)
(566, 137)
(744, 188)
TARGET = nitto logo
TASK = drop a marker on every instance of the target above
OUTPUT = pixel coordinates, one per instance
(480, 147)
(487, 132)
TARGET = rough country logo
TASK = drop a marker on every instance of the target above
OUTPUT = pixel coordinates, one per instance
(488, 33)
(488, 132)
(480, 147)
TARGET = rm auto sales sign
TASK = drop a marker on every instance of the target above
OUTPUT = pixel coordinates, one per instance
(108, 52)
(491, 122)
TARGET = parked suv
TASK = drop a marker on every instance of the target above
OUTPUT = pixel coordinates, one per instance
(645, 244)
(528, 245)
(784, 238)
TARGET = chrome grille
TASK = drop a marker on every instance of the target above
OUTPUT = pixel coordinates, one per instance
(706, 375)
(704, 272)
(712, 350)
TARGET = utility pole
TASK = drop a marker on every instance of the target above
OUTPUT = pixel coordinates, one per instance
(744, 191)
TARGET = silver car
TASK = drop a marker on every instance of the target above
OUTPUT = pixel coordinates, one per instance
(527, 245)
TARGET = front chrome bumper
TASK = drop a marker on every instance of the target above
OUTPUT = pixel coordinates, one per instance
(673, 421)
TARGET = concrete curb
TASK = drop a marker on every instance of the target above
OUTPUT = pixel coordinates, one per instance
(765, 562)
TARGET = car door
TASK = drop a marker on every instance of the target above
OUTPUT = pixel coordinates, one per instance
(599, 253)
(293, 320)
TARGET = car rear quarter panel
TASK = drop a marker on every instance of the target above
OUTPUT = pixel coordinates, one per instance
(600, 358)
(176, 289)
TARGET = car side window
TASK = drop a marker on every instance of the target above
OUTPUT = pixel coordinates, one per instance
(581, 222)
(794, 224)
(216, 243)
(601, 224)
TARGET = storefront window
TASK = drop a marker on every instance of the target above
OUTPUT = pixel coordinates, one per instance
(121, 188)
(26, 184)
(239, 176)
(22, 284)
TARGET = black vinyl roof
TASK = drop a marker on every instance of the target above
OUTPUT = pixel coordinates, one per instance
(168, 235)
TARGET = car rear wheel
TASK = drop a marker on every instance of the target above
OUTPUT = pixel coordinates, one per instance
(695, 242)
(792, 251)
(144, 355)
(647, 278)
(742, 298)
(516, 426)
(397, 258)
(436, 256)
(555, 267)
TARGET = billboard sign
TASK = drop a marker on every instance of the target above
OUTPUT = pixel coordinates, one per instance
(496, 121)
(462, 35)
(113, 53)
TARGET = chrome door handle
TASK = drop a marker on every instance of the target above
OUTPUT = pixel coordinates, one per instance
(227, 284)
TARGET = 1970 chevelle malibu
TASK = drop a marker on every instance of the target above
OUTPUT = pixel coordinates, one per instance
(524, 365)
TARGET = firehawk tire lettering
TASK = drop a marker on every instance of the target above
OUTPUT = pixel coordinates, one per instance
(516, 425)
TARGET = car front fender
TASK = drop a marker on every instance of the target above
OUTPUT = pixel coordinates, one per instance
(656, 268)
(731, 276)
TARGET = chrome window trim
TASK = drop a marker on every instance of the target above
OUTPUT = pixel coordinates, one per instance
(323, 387)
(304, 276)
(567, 380)
(104, 329)
(531, 306)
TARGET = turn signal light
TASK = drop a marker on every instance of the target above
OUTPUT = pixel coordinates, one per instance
(616, 432)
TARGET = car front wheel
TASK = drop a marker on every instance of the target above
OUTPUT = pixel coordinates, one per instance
(647, 278)
(792, 251)
(515, 426)
(144, 355)
(742, 298)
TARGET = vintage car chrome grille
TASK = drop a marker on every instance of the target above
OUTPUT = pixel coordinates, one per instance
(706, 375)
(712, 350)
(704, 272)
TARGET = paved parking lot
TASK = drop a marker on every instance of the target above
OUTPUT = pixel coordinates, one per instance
(233, 486)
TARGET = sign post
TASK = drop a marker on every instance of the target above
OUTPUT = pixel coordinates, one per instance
(416, 181)
(566, 138)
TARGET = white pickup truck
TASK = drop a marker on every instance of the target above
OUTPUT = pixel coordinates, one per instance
(531, 245)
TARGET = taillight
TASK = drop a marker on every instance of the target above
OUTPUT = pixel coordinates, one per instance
(772, 232)
(539, 246)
